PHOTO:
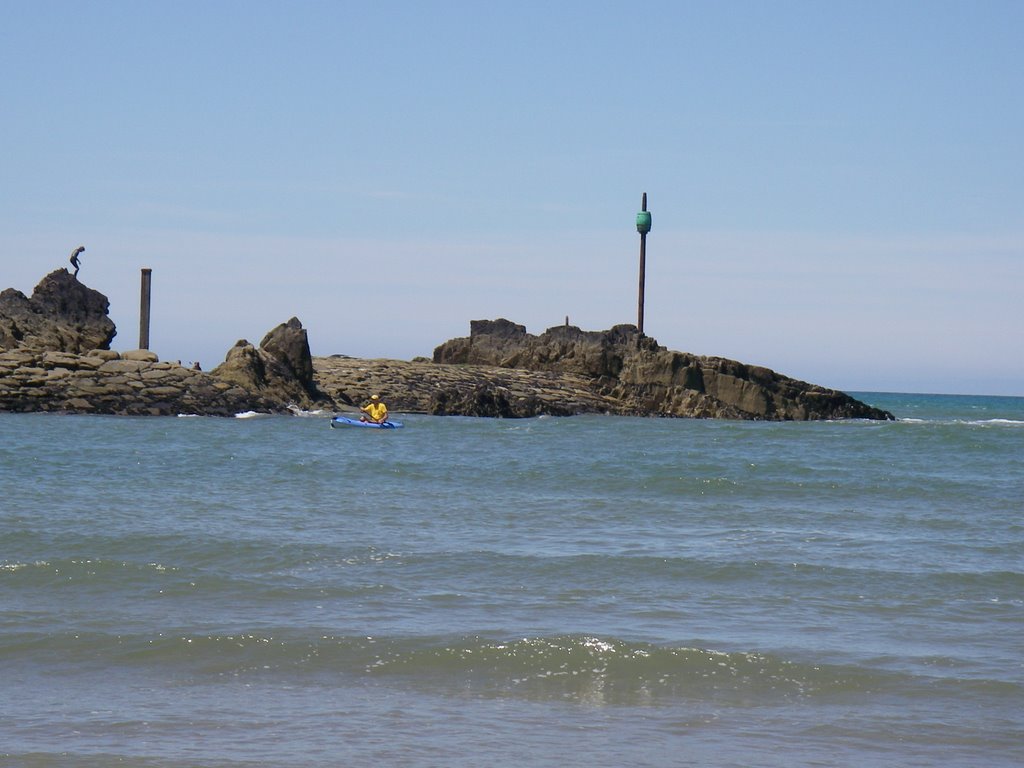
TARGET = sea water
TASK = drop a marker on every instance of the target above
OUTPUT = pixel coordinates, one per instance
(586, 591)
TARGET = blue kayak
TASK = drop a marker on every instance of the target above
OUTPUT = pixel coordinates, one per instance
(345, 421)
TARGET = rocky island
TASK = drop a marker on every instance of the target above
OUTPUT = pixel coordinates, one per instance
(55, 356)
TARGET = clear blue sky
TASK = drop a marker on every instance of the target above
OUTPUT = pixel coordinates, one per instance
(837, 188)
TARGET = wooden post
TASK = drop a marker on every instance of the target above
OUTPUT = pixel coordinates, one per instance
(144, 309)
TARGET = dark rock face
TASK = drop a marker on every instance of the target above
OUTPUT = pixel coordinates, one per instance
(108, 382)
(645, 378)
(280, 370)
(564, 349)
(55, 356)
(421, 386)
(492, 401)
(63, 315)
(288, 344)
(138, 383)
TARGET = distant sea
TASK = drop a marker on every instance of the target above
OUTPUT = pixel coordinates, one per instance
(586, 591)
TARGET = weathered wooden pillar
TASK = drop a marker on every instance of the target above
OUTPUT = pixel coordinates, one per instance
(147, 278)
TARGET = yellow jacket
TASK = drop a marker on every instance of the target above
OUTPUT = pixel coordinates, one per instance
(376, 410)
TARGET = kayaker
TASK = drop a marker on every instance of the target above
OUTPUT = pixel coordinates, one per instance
(375, 410)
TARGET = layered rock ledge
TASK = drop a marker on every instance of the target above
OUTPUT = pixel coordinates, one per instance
(133, 383)
(55, 356)
(501, 370)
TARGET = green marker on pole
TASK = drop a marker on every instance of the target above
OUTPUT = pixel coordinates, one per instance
(643, 226)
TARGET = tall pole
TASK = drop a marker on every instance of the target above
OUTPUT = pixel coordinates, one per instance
(643, 226)
(147, 275)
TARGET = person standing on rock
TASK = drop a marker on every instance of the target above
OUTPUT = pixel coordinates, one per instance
(375, 410)
(74, 258)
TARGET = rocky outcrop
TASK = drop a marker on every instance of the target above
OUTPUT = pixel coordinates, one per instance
(55, 356)
(104, 381)
(421, 386)
(645, 378)
(280, 370)
(136, 382)
(63, 315)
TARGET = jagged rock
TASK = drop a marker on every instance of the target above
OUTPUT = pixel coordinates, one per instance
(55, 356)
(288, 343)
(242, 367)
(62, 315)
(646, 378)
(281, 370)
(564, 348)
